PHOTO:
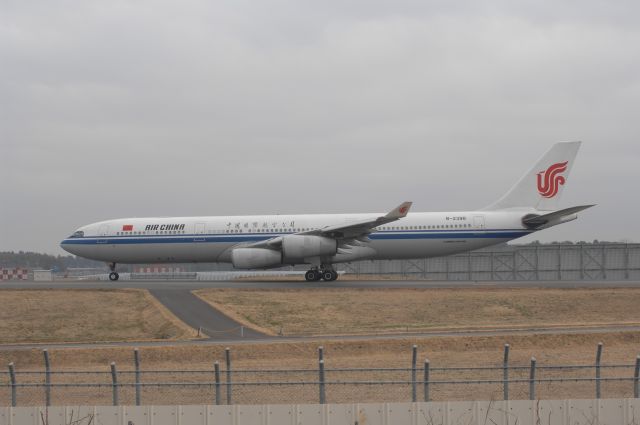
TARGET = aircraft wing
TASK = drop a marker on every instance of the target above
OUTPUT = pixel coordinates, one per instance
(363, 227)
(349, 230)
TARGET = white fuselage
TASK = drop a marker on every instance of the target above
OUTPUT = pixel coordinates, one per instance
(211, 239)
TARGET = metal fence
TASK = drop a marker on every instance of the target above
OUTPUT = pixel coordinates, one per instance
(223, 384)
(557, 261)
(597, 261)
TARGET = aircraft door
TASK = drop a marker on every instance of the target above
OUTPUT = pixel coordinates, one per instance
(478, 222)
(199, 232)
(102, 232)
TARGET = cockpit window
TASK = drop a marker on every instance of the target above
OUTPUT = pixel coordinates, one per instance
(77, 234)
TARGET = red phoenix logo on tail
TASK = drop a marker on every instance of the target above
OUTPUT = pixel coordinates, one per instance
(549, 181)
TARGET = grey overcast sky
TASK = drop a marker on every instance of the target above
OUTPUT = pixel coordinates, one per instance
(158, 108)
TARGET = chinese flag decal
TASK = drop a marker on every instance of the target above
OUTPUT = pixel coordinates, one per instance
(127, 227)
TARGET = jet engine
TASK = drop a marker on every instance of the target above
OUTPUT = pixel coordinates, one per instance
(295, 249)
(255, 258)
(304, 246)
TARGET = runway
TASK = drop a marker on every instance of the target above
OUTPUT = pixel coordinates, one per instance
(191, 285)
(221, 329)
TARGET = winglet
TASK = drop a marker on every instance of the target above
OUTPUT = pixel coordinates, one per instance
(400, 211)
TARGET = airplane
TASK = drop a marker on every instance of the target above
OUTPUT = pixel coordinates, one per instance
(323, 240)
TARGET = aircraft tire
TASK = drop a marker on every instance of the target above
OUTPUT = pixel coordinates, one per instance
(327, 275)
(113, 276)
(334, 275)
(312, 276)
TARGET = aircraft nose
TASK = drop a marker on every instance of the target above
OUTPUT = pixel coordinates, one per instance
(64, 244)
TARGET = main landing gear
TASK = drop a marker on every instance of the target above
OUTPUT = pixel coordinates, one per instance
(113, 276)
(315, 275)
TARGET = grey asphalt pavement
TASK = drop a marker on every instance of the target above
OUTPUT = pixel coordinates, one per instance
(198, 314)
(341, 283)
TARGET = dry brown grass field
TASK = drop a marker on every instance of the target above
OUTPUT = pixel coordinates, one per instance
(441, 351)
(351, 311)
(78, 315)
(450, 351)
(135, 315)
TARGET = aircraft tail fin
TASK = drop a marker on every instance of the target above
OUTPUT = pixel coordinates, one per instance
(541, 187)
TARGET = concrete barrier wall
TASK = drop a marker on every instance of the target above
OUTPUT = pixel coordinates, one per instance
(521, 412)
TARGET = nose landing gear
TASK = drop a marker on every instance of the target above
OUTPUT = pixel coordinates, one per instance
(113, 276)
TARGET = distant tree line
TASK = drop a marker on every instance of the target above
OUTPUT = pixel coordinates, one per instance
(595, 242)
(38, 261)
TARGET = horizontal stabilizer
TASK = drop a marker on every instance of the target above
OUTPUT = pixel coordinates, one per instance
(540, 220)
